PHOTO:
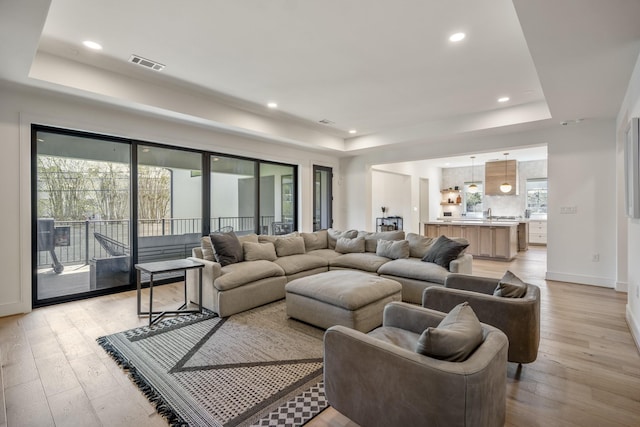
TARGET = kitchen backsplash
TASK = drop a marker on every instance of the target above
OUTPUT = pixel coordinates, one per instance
(500, 205)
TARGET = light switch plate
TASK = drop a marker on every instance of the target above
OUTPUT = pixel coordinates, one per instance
(566, 210)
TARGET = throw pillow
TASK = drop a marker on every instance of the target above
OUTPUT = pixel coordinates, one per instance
(443, 251)
(289, 246)
(347, 246)
(263, 238)
(259, 251)
(394, 249)
(418, 245)
(333, 236)
(315, 240)
(455, 338)
(371, 239)
(510, 286)
(227, 247)
(207, 249)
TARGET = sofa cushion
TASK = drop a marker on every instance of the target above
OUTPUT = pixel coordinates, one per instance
(418, 245)
(207, 249)
(315, 240)
(455, 338)
(394, 249)
(510, 286)
(362, 261)
(294, 264)
(345, 245)
(263, 238)
(413, 268)
(371, 239)
(251, 238)
(227, 247)
(443, 251)
(334, 235)
(259, 251)
(289, 246)
(327, 254)
(242, 273)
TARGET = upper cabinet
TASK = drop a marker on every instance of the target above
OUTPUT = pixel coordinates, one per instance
(495, 176)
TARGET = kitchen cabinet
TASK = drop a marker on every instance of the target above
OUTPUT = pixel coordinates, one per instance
(486, 240)
(538, 232)
(494, 176)
(523, 236)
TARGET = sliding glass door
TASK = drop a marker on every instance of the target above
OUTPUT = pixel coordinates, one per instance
(169, 207)
(102, 204)
(81, 203)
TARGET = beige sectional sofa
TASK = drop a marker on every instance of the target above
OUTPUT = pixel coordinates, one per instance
(267, 263)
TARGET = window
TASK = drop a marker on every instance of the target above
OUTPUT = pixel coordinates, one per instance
(537, 195)
(472, 202)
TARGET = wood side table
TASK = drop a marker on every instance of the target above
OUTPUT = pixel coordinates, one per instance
(158, 267)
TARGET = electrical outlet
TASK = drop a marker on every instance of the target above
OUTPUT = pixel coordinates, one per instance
(596, 258)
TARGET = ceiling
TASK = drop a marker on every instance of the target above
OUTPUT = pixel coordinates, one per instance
(386, 69)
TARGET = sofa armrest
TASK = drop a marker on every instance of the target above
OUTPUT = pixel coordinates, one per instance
(484, 285)
(210, 272)
(463, 264)
(197, 253)
(410, 317)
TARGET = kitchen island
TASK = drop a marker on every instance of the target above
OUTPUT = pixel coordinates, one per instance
(487, 239)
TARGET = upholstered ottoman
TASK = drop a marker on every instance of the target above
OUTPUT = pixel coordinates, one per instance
(341, 297)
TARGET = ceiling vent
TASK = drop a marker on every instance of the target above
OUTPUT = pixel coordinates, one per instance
(147, 63)
(326, 122)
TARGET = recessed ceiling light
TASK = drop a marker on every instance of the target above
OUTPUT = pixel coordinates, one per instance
(92, 45)
(272, 105)
(457, 37)
(503, 99)
(352, 131)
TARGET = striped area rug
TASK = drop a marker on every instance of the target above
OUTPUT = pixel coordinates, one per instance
(256, 368)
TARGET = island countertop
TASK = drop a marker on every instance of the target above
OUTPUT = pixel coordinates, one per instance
(485, 223)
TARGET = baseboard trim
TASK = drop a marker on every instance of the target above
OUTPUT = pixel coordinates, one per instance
(622, 287)
(634, 327)
(583, 280)
(3, 405)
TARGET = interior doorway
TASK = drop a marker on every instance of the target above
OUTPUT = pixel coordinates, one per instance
(322, 197)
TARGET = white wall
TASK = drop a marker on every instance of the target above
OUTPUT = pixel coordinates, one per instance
(393, 191)
(630, 108)
(19, 107)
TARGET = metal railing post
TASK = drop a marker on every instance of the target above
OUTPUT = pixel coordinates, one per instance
(86, 242)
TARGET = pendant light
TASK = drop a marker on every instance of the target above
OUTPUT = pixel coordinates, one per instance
(505, 187)
(473, 188)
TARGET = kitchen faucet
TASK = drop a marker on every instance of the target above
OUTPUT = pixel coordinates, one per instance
(488, 213)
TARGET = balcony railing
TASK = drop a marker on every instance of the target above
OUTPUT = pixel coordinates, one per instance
(79, 245)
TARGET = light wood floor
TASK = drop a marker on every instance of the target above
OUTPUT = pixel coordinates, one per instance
(587, 372)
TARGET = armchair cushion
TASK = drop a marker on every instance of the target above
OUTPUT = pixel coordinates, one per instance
(443, 251)
(510, 286)
(455, 338)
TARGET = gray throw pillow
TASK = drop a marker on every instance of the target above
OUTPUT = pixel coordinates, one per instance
(371, 238)
(333, 236)
(259, 251)
(349, 246)
(289, 246)
(394, 249)
(227, 247)
(443, 251)
(455, 338)
(510, 286)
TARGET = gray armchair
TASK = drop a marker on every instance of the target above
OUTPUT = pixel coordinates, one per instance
(518, 318)
(378, 379)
